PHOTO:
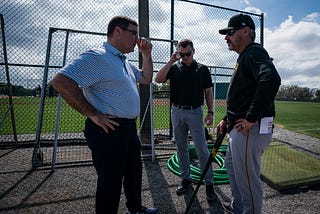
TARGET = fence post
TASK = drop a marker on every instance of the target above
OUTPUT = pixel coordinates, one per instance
(145, 135)
(13, 121)
(37, 157)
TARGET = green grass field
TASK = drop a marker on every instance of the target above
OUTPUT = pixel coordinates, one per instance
(284, 167)
(301, 117)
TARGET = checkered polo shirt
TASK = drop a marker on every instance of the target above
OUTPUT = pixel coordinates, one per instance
(108, 81)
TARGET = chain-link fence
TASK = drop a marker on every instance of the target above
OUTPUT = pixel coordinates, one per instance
(41, 119)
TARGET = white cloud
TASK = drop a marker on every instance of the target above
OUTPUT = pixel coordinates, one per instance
(303, 81)
(313, 17)
(295, 49)
(293, 45)
(253, 10)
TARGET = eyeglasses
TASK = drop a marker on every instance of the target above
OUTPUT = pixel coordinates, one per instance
(185, 54)
(231, 32)
(133, 32)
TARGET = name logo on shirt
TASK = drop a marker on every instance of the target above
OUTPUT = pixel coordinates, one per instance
(235, 69)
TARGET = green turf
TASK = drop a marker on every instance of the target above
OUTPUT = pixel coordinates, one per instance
(301, 117)
(285, 168)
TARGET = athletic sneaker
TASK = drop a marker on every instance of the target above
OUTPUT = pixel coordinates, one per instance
(185, 185)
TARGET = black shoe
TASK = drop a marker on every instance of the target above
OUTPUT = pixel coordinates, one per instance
(211, 195)
(185, 185)
(228, 207)
(145, 210)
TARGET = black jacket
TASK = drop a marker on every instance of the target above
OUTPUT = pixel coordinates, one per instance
(253, 87)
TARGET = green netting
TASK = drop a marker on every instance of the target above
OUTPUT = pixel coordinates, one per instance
(285, 168)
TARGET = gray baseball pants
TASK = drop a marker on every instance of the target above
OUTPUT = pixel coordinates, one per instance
(182, 122)
(243, 163)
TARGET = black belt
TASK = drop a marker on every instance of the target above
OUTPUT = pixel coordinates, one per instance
(185, 107)
(123, 120)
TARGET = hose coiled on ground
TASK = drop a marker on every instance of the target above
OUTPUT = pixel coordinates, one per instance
(219, 175)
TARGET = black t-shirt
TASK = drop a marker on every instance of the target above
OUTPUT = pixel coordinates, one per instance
(188, 82)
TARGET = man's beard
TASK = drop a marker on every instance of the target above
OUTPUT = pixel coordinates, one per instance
(231, 46)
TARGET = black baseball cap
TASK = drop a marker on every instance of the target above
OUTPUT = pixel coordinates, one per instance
(238, 21)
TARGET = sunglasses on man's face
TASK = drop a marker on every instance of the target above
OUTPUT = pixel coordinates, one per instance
(185, 54)
(231, 32)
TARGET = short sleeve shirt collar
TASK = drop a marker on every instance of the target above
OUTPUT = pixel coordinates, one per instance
(113, 50)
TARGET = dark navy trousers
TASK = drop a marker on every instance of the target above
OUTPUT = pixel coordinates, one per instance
(117, 159)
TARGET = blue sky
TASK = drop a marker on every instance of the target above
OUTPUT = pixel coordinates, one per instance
(291, 36)
(275, 11)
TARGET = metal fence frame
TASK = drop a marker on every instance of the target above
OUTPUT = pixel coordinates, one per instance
(38, 138)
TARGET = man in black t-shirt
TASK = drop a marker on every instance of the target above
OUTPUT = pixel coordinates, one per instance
(190, 82)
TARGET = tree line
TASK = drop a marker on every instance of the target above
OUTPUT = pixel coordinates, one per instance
(286, 92)
(296, 93)
(18, 90)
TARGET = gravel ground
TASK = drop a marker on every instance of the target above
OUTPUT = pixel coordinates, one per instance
(71, 189)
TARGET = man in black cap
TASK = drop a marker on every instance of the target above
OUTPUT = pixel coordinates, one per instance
(250, 113)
